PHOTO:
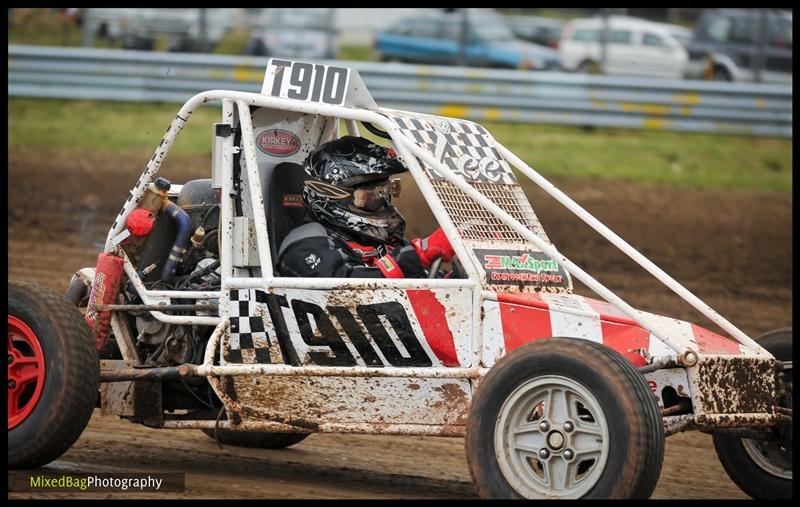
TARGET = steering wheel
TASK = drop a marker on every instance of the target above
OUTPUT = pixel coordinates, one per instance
(435, 268)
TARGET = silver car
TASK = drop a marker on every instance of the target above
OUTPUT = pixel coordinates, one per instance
(297, 33)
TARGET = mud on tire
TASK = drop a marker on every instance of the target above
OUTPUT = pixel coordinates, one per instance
(49, 422)
(257, 439)
(562, 395)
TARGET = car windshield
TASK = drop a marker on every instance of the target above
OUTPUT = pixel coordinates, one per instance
(682, 38)
(492, 31)
(310, 19)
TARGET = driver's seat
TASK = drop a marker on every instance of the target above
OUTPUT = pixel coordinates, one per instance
(285, 208)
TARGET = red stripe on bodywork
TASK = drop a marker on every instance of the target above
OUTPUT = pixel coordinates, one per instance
(620, 332)
(527, 299)
(431, 317)
(609, 312)
(523, 324)
(625, 340)
(712, 343)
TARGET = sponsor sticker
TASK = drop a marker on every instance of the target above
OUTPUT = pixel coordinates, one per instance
(278, 142)
(292, 201)
(96, 295)
(313, 261)
(386, 263)
(521, 268)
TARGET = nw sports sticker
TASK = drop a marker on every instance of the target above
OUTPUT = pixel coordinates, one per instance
(513, 267)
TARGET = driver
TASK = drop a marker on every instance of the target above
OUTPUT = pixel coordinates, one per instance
(353, 229)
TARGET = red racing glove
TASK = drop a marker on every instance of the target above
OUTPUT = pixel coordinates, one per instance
(431, 248)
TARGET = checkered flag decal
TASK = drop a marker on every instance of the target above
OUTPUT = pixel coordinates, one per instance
(452, 140)
(249, 342)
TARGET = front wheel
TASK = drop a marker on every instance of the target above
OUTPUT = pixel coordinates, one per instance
(53, 375)
(564, 418)
(763, 468)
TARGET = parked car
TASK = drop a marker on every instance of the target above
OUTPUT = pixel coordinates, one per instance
(539, 30)
(634, 47)
(435, 39)
(681, 33)
(297, 33)
(140, 28)
(725, 45)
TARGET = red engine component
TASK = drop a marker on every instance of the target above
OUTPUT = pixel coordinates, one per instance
(105, 288)
(140, 222)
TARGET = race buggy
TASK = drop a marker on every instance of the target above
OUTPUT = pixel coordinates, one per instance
(557, 395)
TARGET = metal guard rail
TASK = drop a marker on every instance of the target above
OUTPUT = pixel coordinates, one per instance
(472, 93)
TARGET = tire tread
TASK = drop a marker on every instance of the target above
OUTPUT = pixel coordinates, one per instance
(65, 423)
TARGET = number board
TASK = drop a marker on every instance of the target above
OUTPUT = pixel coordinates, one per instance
(312, 82)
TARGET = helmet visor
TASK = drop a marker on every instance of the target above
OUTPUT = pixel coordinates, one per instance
(373, 197)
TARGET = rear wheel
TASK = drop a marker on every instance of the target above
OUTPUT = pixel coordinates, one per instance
(52, 375)
(261, 440)
(763, 468)
(720, 74)
(589, 67)
(564, 418)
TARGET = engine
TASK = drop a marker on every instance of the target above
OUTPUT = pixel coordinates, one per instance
(181, 253)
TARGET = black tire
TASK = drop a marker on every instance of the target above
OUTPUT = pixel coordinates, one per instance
(255, 48)
(751, 477)
(77, 293)
(257, 439)
(720, 74)
(633, 425)
(589, 67)
(71, 376)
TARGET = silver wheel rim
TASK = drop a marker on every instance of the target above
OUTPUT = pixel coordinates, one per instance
(773, 457)
(769, 457)
(551, 438)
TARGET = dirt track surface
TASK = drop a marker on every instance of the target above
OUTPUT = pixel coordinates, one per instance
(732, 249)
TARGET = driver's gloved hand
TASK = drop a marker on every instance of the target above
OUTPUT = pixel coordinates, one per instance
(407, 258)
(433, 247)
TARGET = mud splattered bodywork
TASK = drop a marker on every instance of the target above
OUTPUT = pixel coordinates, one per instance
(733, 385)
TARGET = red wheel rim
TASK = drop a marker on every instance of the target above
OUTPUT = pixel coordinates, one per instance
(25, 371)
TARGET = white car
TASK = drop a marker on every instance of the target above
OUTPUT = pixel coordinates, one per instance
(635, 47)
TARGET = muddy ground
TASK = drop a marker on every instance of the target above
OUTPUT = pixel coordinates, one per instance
(731, 248)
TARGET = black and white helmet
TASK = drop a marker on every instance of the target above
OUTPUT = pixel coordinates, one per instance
(348, 189)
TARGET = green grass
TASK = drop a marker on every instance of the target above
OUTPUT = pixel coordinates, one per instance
(75, 125)
(675, 158)
(679, 159)
(357, 53)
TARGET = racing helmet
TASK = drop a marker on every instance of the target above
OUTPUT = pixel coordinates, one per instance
(348, 189)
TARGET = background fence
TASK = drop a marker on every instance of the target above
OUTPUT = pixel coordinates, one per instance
(477, 94)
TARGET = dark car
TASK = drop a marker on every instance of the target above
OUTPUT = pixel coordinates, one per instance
(436, 40)
(724, 46)
(542, 31)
